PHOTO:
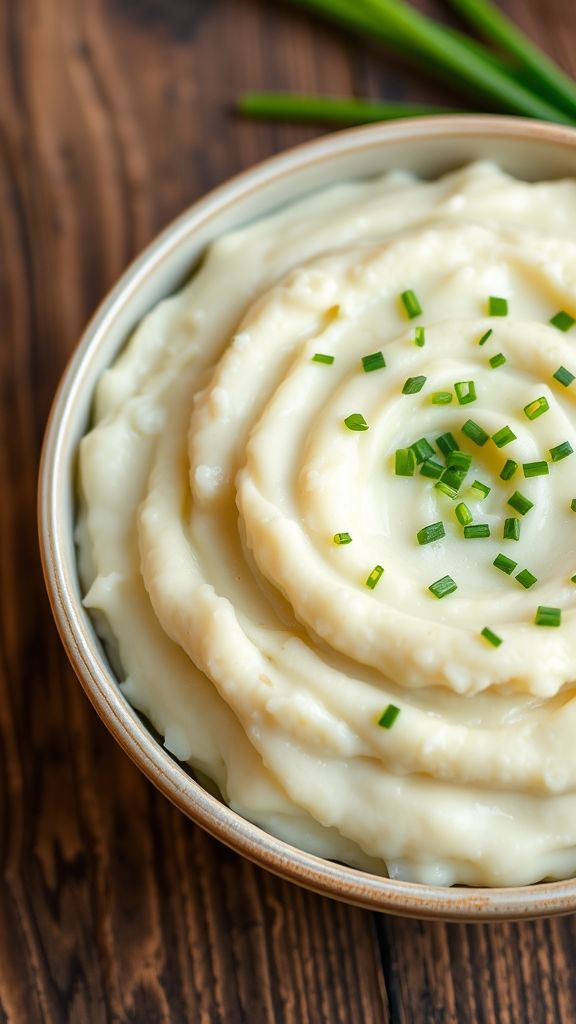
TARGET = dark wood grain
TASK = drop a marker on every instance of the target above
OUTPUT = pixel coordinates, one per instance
(114, 115)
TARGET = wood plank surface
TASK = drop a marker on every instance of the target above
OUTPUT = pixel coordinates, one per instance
(114, 115)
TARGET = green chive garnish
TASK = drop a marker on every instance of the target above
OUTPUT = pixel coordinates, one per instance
(561, 451)
(535, 468)
(573, 579)
(321, 357)
(508, 469)
(498, 360)
(447, 443)
(450, 482)
(526, 579)
(389, 716)
(448, 488)
(548, 616)
(342, 538)
(504, 563)
(491, 637)
(573, 504)
(485, 336)
(432, 469)
(482, 490)
(476, 530)
(443, 587)
(465, 391)
(475, 433)
(413, 385)
(428, 534)
(422, 450)
(374, 576)
(520, 503)
(374, 361)
(356, 421)
(441, 398)
(503, 436)
(459, 460)
(512, 528)
(563, 376)
(463, 514)
(420, 337)
(497, 306)
(562, 320)
(411, 304)
(404, 462)
(536, 408)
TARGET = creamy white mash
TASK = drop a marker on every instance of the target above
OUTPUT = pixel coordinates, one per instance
(221, 473)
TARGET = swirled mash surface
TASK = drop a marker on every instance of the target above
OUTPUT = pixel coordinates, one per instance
(219, 469)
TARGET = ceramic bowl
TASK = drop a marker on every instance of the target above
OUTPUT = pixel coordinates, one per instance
(429, 147)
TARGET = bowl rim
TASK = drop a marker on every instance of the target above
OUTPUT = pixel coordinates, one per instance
(79, 638)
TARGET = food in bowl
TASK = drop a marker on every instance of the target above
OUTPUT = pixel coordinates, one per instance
(326, 525)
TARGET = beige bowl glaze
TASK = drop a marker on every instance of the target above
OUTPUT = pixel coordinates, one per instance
(428, 147)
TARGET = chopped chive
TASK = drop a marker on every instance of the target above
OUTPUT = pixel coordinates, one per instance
(422, 450)
(459, 460)
(562, 320)
(548, 616)
(573, 579)
(504, 563)
(389, 716)
(503, 436)
(321, 357)
(420, 336)
(498, 360)
(561, 451)
(465, 391)
(536, 408)
(374, 576)
(443, 587)
(520, 503)
(448, 488)
(411, 304)
(491, 637)
(342, 538)
(449, 485)
(573, 504)
(428, 534)
(356, 421)
(485, 336)
(526, 579)
(535, 468)
(413, 385)
(441, 398)
(404, 462)
(497, 306)
(447, 443)
(463, 514)
(475, 433)
(432, 469)
(450, 482)
(481, 489)
(563, 376)
(512, 528)
(508, 469)
(476, 530)
(374, 361)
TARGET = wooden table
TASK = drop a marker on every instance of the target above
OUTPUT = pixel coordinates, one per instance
(114, 116)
